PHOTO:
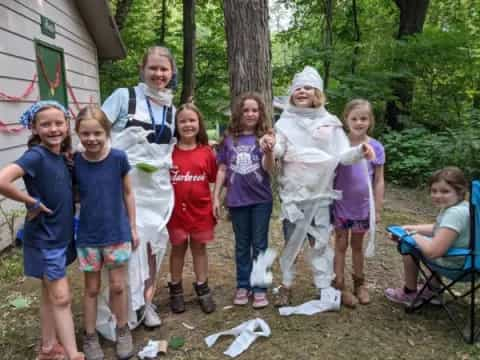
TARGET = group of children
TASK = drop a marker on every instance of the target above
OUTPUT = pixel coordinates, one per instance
(318, 157)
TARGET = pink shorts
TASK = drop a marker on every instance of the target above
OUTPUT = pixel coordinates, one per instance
(179, 236)
(92, 259)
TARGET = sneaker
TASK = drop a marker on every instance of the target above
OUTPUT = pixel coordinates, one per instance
(399, 296)
(124, 345)
(57, 352)
(92, 348)
(259, 300)
(241, 297)
(151, 318)
(427, 294)
(282, 296)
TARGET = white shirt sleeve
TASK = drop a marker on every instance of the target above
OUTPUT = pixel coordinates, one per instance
(116, 108)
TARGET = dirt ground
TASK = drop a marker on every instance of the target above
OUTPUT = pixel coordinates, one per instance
(380, 330)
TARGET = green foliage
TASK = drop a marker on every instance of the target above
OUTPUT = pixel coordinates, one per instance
(414, 154)
(442, 63)
(11, 265)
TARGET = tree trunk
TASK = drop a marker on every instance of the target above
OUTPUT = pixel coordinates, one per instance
(412, 19)
(248, 49)
(188, 50)
(328, 40)
(163, 24)
(123, 7)
(356, 37)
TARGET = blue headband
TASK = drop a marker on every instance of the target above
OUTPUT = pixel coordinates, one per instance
(29, 114)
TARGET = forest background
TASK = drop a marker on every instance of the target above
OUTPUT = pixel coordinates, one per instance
(417, 61)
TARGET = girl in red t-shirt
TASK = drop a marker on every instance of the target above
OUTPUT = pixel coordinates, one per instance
(192, 221)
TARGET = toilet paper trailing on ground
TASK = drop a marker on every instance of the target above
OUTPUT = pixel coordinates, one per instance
(330, 301)
(245, 334)
(261, 275)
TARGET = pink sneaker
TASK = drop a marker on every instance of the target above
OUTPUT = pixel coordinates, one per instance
(427, 294)
(241, 297)
(399, 296)
(259, 300)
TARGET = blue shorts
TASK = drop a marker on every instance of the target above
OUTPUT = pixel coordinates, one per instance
(49, 263)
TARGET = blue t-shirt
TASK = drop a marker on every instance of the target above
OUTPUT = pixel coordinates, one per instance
(47, 178)
(103, 214)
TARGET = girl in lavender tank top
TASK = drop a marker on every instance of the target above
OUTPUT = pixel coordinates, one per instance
(352, 213)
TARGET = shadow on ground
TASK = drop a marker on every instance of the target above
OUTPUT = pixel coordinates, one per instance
(377, 331)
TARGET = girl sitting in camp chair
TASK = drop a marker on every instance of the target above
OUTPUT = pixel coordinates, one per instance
(448, 188)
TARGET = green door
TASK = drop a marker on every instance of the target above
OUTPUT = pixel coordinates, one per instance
(51, 72)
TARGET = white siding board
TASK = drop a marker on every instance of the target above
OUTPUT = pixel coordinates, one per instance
(16, 87)
(23, 47)
(63, 22)
(20, 24)
(14, 140)
(11, 112)
(7, 156)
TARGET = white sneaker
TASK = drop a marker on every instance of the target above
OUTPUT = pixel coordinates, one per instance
(151, 318)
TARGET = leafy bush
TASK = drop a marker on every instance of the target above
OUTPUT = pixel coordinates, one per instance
(413, 154)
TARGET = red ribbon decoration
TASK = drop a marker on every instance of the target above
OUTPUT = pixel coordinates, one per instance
(53, 85)
(5, 128)
(26, 93)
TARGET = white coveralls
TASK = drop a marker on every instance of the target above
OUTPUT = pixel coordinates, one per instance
(154, 201)
(310, 142)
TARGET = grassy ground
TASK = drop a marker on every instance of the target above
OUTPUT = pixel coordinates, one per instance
(378, 331)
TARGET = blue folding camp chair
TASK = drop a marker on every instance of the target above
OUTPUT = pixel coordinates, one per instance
(448, 277)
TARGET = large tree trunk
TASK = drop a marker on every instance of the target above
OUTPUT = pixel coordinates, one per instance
(188, 50)
(412, 18)
(123, 7)
(248, 48)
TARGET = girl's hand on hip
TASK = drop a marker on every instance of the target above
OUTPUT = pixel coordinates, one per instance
(33, 213)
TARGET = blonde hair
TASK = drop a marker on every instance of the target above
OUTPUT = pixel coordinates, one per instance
(319, 99)
(356, 103)
(93, 112)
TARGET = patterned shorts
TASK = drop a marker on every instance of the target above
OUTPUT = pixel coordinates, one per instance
(92, 259)
(357, 226)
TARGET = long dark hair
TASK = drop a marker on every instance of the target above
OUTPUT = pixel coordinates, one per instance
(34, 139)
(202, 137)
(235, 127)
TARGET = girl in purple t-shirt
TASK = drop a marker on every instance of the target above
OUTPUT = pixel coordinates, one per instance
(352, 213)
(243, 167)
